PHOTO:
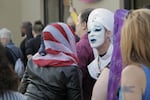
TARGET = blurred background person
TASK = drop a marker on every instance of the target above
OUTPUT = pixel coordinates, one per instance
(8, 79)
(26, 32)
(85, 53)
(81, 25)
(14, 52)
(72, 24)
(33, 44)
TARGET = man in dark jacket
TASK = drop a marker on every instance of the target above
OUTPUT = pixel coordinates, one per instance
(33, 44)
(26, 31)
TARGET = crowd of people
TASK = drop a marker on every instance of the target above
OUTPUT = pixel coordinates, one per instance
(94, 55)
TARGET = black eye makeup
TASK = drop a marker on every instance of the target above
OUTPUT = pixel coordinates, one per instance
(89, 32)
(98, 29)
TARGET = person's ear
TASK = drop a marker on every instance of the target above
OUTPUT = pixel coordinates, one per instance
(84, 25)
(108, 33)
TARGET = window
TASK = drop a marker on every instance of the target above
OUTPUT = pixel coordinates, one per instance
(135, 4)
(55, 11)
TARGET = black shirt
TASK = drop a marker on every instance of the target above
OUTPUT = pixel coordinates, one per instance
(33, 45)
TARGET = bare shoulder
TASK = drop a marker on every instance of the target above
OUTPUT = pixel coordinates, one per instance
(132, 71)
(133, 76)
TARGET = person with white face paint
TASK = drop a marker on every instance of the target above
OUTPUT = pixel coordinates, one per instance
(100, 29)
(96, 35)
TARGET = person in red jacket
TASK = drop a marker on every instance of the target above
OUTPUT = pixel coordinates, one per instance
(85, 53)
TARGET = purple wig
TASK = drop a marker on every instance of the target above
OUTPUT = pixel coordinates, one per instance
(116, 61)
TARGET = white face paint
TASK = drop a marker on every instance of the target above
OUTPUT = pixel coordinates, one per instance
(96, 34)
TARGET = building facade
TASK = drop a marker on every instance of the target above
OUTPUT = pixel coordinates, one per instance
(14, 12)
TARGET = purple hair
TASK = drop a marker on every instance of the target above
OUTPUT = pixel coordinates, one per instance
(116, 61)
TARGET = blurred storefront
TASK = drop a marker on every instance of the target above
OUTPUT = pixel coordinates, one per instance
(58, 10)
(14, 12)
(135, 4)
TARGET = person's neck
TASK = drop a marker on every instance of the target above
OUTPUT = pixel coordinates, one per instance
(102, 50)
(83, 32)
(35, 35)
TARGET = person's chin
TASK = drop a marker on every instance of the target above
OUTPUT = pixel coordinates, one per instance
(94, 45)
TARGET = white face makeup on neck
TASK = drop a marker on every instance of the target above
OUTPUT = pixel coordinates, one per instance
(96, 34)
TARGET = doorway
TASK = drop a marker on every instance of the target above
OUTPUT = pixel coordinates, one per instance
(135, 4)
(55, 11)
